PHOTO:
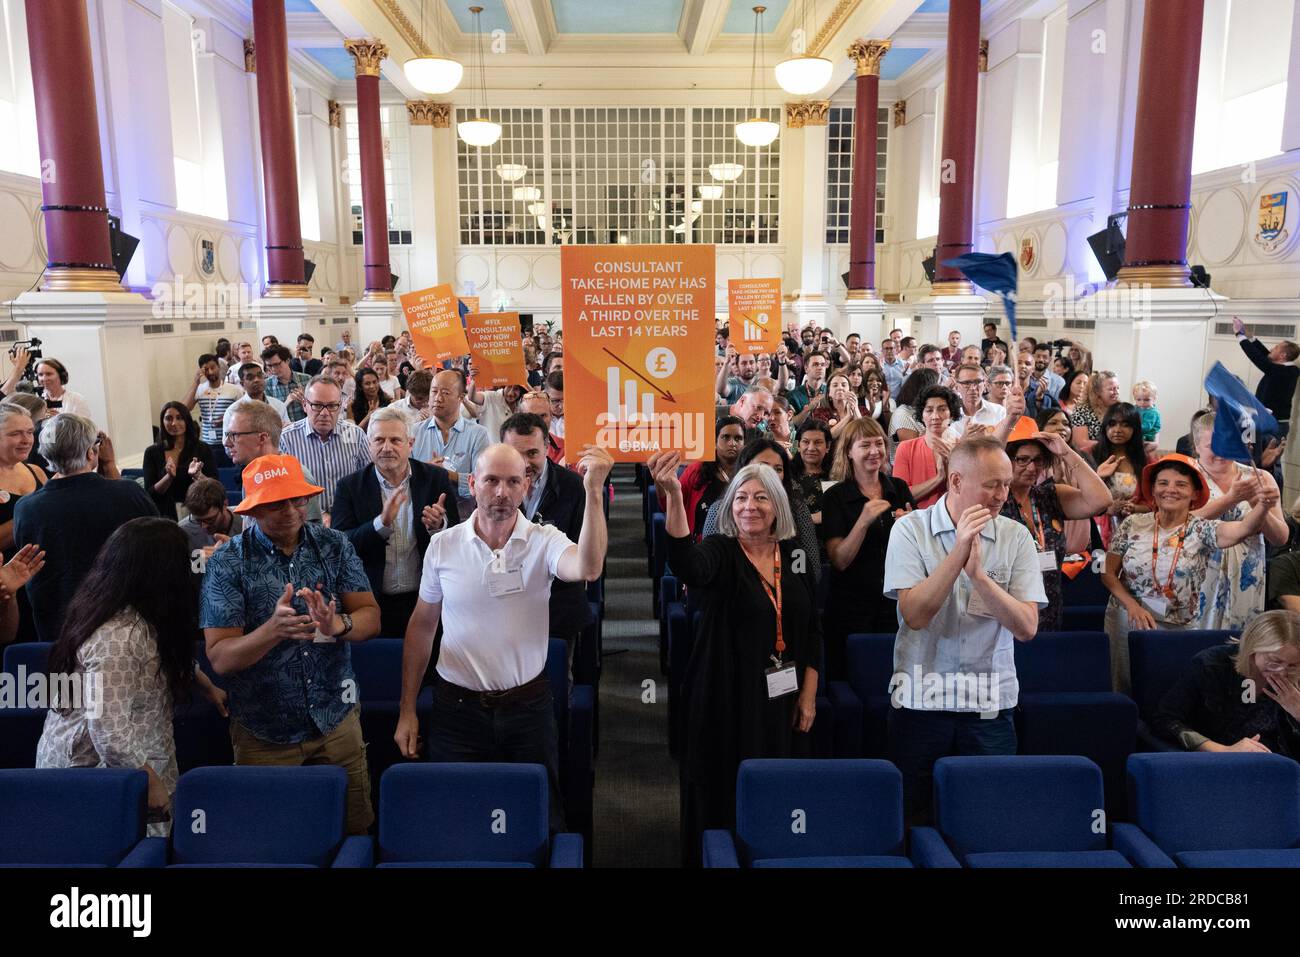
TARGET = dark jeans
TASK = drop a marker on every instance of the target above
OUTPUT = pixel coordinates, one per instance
(394, 613)
(524, 732)
(919, 738)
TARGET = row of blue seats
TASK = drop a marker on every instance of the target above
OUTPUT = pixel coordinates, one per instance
(1190, 811)
(430, 815)
(202, 735)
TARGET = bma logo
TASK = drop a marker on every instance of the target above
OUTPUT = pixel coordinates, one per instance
(261, 477)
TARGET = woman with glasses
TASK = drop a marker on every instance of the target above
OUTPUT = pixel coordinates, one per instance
(1044, 506)
(1209, 708)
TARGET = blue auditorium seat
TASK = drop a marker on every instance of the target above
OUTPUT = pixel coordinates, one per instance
(233, 497)
(574, 714)
(73, 817)
(1066, 705)
(469, 815)
(1202, 809)
(257, 817)
(862, 702)
(1016, 811)
(20, 728)
(231, 478)
(811, 813)
(377, 666)
(1083, 618)
(1157, 659)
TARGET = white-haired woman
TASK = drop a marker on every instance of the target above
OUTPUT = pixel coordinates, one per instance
(750, 690)
(1240, 696)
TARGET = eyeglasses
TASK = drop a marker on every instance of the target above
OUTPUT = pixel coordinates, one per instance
(970, 383)
(1004, 383)
(324, 406)
(234, 435)
(1024, 460)
(299, 502)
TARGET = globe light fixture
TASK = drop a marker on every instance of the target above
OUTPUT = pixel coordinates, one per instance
(527, 194)
(431, 72)
(726, 172)
(511, 172)
(479, 130)
(710, 191)
(803, 74)
(754, 130)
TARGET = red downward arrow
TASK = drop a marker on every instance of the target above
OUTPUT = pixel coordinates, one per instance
(667, 396)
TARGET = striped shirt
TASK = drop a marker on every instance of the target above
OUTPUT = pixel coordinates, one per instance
(342, 452)
(213, 403)
(280, 390)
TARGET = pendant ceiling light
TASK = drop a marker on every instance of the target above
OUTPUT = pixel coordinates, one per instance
(804, 74)
(431, 72)
(710, 191)
(726, 172)
(479, 131)
(756, 131)
(510, 172)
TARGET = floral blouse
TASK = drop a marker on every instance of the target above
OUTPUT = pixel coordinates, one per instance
(134, 723)
(1132, 543)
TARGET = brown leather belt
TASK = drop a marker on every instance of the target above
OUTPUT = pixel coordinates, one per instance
(525, 693)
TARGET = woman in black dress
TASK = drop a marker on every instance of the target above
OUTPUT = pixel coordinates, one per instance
(175, 460)
(857, 517)
(750, 689)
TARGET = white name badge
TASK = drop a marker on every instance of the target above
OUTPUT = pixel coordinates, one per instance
(782, 681)
(505, 582)
(976, 605)
(1158, 605)
(1047, 562)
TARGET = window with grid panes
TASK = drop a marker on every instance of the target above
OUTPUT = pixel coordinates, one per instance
(495, 209)
(748, 210)
(839, 172)
(618, 174)
(395, 128)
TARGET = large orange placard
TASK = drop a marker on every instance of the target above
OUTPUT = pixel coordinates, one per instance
(435, 325)
(639, 343)
(754, 306)
(496, 348)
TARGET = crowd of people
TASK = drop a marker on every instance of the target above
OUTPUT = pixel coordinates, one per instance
(940, 493)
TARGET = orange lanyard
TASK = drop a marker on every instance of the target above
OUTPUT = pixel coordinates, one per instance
(774, 596)
(1168, 589)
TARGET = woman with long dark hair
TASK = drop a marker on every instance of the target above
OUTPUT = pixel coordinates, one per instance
(173, 462)
(704, 482)
(368, 396)
(905, 424)
(1121, 458)
(128, 638)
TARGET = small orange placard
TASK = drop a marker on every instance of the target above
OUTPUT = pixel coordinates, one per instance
(435, 325)
(496, 348)
(754, 306)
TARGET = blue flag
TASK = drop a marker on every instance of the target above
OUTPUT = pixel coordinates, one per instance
(1242, 423)
(995, 272)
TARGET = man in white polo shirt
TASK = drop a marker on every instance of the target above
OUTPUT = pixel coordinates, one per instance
(969, 585)
(489, 581)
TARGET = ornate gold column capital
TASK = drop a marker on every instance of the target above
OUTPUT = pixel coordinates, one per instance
(429, 113)
(250, 57)
(867, 54)
(984, 56)
(367, 54)
(806, 113)
(336, 114)
(900, 113)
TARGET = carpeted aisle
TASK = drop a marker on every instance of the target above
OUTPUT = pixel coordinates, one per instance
(636, 780)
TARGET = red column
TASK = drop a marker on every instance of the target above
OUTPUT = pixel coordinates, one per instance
(1160, 192)
(286, 277)
(374, 206)
(957, 162)
(80, 258)
(866, 55)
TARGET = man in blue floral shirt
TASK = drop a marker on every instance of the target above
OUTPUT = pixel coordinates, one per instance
(281, 601)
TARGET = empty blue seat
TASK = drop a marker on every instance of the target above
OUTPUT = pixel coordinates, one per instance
(1083, 618)
(201, 732)
(377, 667)
(21, 727)
(574, 719)
(1157, 659)
(469, 815)
(32, 656)
(231, 478)
(1204, 809)
(257, 817)
(1066, 705)
(1016, 811)
(70, 817)
(811, 813)
(861, 703)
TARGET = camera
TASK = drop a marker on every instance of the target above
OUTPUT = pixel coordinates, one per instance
(1061, 343)
(33, 347)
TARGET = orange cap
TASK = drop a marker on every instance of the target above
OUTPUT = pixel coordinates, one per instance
(273, 478)
(1024, 431)
(1149, 477)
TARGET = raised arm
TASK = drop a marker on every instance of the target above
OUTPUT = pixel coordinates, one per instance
(586, 560)
(1088, 495)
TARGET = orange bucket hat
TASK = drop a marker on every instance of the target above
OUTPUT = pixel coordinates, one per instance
(1025, 431)
(1149, 477)
(273, 478)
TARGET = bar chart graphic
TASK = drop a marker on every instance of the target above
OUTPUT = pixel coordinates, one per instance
(755, 329)
(629, 400)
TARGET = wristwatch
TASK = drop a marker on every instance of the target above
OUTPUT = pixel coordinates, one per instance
(347, 624)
